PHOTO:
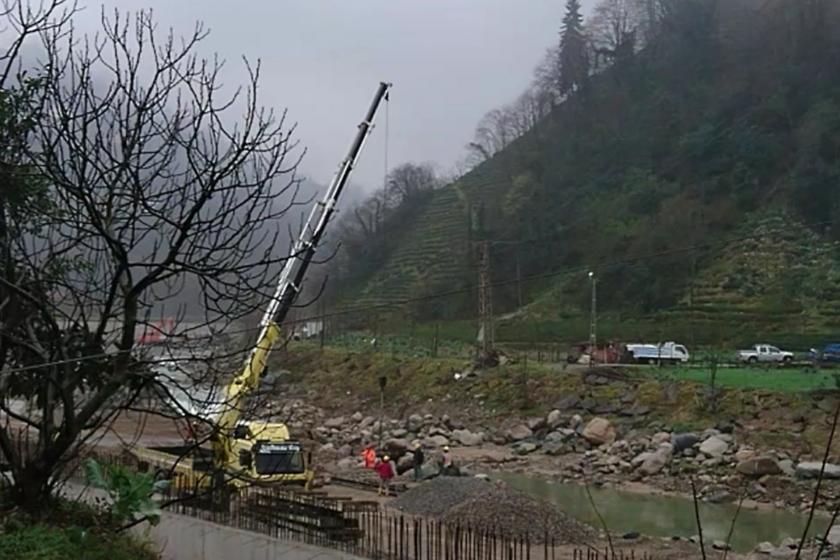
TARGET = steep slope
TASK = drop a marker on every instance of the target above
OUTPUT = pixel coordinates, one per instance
(675, 175)
(432, 251)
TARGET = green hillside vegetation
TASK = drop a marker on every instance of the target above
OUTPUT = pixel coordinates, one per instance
(699, 177)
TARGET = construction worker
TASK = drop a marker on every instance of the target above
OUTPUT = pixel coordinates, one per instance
(385, 470)
(369, 456)
(445, 461)
(419, 458)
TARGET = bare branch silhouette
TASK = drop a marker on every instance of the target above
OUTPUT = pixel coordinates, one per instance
(600, 518)
(818, 486)
(697, 517)
(138, 185)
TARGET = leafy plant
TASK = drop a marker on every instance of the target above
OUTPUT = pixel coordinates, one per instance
(131, 493)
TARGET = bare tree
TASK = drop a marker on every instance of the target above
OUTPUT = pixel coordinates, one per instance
(494, 133)
(156, 178)
(529, 109)
(547, 76)
(408, 181)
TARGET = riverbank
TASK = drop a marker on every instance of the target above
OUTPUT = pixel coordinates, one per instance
(603, 428)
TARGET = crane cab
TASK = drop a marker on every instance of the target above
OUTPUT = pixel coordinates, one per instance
(265, 455)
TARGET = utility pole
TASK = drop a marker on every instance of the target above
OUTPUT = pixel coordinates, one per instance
(383, 381)
(485, 299)
(593, 314)
(323, 332)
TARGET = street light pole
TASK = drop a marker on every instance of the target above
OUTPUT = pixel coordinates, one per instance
(593, 340)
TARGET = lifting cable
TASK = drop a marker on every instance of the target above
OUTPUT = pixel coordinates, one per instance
(387, 134)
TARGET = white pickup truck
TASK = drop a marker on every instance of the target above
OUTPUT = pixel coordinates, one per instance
(765, 353)
(667, 353)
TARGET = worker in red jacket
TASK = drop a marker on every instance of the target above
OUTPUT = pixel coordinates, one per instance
(385, 470)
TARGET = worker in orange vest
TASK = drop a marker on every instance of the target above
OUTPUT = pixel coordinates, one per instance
(369, 456)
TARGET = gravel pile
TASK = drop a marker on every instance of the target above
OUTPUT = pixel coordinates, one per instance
(434, 498)
(493, 507)
(515, 515)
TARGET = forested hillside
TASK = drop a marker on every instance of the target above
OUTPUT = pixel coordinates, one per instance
(695, 167)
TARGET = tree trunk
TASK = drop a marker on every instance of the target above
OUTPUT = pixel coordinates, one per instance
(32, 491)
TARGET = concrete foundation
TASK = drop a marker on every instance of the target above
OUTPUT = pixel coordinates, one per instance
(185, 538)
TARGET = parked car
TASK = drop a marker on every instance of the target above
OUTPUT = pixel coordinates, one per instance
(668, 352)
(764, 353)
(830, 355)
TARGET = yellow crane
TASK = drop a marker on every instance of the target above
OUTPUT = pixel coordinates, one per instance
(256, 452)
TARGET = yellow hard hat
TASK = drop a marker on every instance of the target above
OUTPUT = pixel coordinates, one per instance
(386, 458)
(446, 448)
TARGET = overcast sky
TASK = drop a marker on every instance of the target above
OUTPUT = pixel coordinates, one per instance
(450, 61)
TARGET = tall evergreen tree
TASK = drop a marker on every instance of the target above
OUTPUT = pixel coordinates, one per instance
(574, 60)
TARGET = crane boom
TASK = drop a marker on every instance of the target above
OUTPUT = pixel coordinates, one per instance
(288, 286)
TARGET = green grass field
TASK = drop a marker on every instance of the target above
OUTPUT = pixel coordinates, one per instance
(788, 380)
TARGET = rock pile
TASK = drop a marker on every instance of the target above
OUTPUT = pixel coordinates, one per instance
(340, 438)
(595, 448)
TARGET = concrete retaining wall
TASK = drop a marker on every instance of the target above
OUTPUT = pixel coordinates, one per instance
(186, 538)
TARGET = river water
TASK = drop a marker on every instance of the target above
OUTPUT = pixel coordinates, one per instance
(667, 516)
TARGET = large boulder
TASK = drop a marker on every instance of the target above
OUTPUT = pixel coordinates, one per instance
(787, 467)
(567, 403)
(640, 458)
(744, 454)
(525, 447)
(344, 451)
(439, 431)
(337, 422)
(396, 447)
(834, 536)
(666, 449)
(720, 545)
(684, 441)
(758, 466)
(554, 419)
(563, 434)
(599, 431)
(414, 423)
(714, 447)
(536, 424)
(405, 463)
(467, 438)
(436, 441)
(518, 433)
(764, 548)
(653, 463)
(555, 447)
(661, 437)
(812, 470)
(347, 463)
